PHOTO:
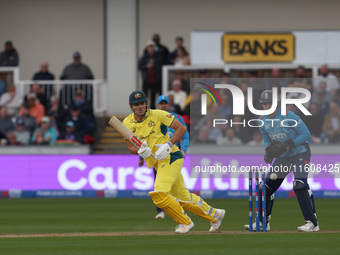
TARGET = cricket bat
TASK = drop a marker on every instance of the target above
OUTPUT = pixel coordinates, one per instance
(125, 132)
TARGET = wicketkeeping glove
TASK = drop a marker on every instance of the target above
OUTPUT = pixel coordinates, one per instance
(144, 150)
(268, 158)
(163, 151)
(276, 148)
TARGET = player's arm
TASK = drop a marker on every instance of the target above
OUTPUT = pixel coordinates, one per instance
(169, 121)
(303, 134)
(131, 147)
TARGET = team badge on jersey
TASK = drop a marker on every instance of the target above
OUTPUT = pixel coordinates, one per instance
(151, 123)
(169, 116)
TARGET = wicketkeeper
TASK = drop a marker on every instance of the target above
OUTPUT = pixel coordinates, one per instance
(169, 192)
(288, 145)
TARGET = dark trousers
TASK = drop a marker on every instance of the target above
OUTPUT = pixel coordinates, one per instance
(152, 88)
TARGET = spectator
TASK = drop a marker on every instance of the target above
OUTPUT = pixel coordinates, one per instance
(210, 134)
(49, 133)
(205, 124)
(322, 87)
(9, 57)
(244, 133)
(11, 100)
(173, 107)
(36, 109)
(225, 78)
(331, 124)
(58, 112)
(204, 76)
(150, 64)
(179, 75)
(86, 110)
(80, 122)
(173, 55)
(183, 58)
(276, 79)
(332, 83)
(257, 139)
(71, 134)
(22, 134)
(77, 70)
(191, 118)
(229, 139)
(45, 75)
(180, 96)
(322, 102)
(6, 123)
(29, 121)
(2, 87)
(160, 49)
(39, 94)
(314, 122)
(300, 72)
(39, 138)
(12, 139)
(226, 109)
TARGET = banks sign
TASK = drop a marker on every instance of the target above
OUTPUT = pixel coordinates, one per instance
(258, 47)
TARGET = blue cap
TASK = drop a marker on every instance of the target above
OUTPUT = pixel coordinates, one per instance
(162, 98)
(70, 123)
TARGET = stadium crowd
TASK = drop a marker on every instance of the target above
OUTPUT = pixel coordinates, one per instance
(39, 117)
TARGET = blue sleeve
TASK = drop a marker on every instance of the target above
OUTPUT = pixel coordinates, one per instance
(266, 138)
(302, 133)
(185, 137)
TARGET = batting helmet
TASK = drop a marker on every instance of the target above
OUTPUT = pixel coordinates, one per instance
(266, 97)
(137, 97)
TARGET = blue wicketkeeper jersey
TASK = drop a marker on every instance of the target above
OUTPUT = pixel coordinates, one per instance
(281, 128)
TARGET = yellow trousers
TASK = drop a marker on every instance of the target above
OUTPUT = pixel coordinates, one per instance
(170, 183)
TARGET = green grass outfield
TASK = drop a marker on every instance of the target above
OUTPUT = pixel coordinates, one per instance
(127, 226)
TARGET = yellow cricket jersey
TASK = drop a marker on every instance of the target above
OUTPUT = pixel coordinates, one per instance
(152, 129)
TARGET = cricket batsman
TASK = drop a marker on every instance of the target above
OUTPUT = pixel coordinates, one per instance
(288, 144)
(169, 192)
(183, 144)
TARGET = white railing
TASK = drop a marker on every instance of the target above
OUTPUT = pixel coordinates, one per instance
(94, 90)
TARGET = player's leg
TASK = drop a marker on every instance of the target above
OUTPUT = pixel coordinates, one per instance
(195, 204)
(303, 193)
(160, 213)
(167, 174)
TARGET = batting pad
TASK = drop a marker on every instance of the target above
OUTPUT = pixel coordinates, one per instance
(169, 205)
(199, 207)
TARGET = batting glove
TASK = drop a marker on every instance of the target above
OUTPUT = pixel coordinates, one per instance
(144, 150)
(163, 151)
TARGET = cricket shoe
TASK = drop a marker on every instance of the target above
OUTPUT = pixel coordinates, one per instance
(309, 227)
(183, 228)
(160, 215)
(218, 216)
(261, 227)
